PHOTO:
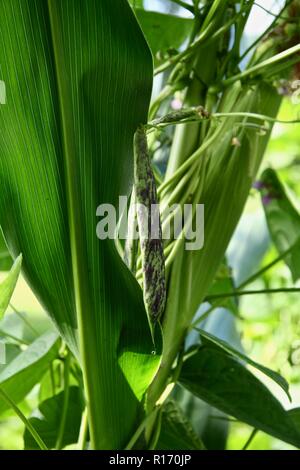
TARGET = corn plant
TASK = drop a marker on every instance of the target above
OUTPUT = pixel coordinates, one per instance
(78, 130)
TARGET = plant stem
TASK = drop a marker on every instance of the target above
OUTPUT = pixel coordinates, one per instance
(83, 431)
(23, 318)
(252, 436)
(62, 426)
(184, 5)
(252, 292)
(267, 267)
(261, 66)
(140, 429)
(23, 418)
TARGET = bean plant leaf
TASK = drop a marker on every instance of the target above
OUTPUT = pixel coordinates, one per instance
(221, 345)
(47, 420)
(177, 432)
(7, 286)
(78, 86)
(26, 369)
(295, 415)
(164, 32)
(283, 219)
(228, 385)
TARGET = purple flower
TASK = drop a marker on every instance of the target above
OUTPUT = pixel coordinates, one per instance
(258, 185)
(266, 200)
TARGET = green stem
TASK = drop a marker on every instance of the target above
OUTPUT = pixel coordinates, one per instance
(23, 318)
(261, 37)
(184, 5)
(23, 418)
(252, 436)
(141, 428)
(252, 292)
(83, 433)
(62, 426)
(267, 267)
(14, 338)
(52, 378)
(261, 66)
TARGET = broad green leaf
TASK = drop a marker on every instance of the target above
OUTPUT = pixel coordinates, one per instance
(283, 219)
(221, 345)
(177, 432)
(210, 424)
(20, 375)
(7, 286)
(164, 32)
(47, 419)
(226, 384)
(78, 85)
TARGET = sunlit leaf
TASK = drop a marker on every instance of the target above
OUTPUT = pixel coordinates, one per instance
(78, 85)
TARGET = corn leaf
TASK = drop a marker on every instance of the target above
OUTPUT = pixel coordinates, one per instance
(283, 219)
(226, 384)
(78, 85)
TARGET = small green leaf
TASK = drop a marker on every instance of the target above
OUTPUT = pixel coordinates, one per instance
(19, 376)
(177, 432)
(224, 383)
(283, 219)
(163, 32)
(221, 345)
(7, 287)
(46, 420)
(145, 360)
